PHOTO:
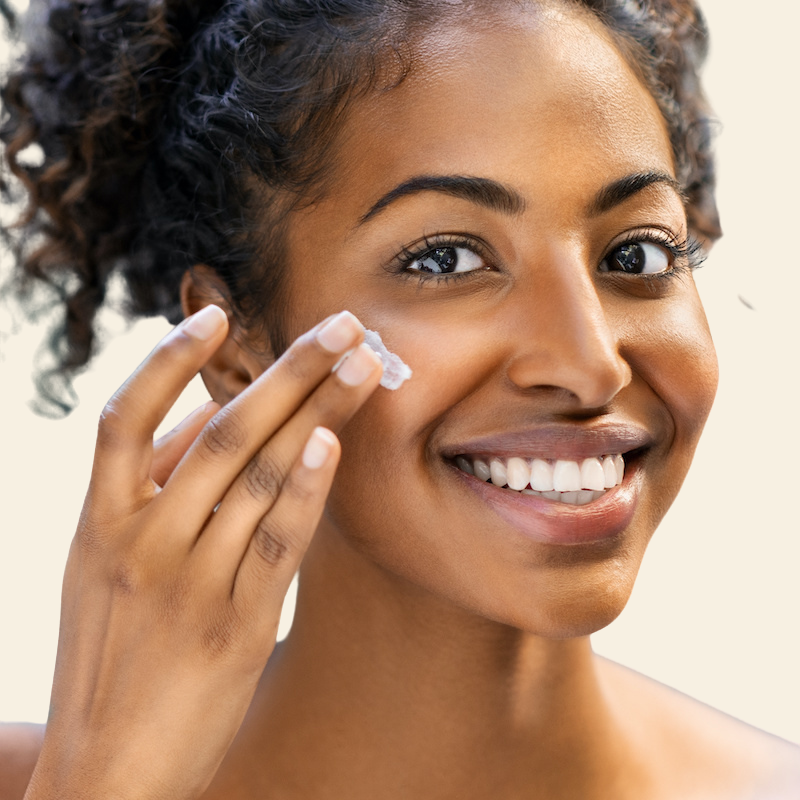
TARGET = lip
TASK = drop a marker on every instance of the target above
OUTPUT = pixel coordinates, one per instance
(552, 522)
(556, 441)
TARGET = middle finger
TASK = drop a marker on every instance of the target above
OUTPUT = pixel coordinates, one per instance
(257, 488)
(239, 430)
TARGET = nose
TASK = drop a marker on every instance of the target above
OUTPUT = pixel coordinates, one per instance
(564, 337)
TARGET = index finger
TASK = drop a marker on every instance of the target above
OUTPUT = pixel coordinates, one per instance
(231, 439)
(124, 450)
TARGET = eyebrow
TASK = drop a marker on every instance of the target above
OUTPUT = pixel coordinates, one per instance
(483, 191)
(619, 191)
(497, 197)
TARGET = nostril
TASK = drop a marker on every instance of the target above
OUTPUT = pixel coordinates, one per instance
(565, 338)
(591, 381)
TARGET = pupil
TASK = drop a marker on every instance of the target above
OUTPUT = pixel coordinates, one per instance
(630, 257)
(442, 259)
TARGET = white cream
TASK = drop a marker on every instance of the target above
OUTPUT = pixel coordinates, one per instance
(395, 371)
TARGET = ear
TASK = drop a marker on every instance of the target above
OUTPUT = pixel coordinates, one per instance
(235, 365)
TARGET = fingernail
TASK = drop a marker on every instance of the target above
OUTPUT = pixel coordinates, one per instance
(358, 366)
(318, 448)
(205, 323)
(340, 333)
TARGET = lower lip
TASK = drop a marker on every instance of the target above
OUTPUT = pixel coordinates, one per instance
(553, 522)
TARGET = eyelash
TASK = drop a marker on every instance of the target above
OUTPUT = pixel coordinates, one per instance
(686, 255)
(408, 255)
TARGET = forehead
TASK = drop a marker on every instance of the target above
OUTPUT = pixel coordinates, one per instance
(539, 97)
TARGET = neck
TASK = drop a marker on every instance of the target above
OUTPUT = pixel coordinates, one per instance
(379, 678)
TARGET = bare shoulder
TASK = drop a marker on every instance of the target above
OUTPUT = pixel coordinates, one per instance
(20, 744)
(701, 751)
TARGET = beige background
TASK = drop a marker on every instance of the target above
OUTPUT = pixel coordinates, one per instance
(715, 609)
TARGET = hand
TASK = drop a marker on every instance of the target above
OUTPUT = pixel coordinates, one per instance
(182, 557)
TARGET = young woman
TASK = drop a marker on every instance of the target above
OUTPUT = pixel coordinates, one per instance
(513, 195)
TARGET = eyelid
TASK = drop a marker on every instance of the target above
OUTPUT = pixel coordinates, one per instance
(647, 233)
(410, 253)
(688, 247)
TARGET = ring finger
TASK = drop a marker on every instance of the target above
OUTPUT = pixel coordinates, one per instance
(259, 484)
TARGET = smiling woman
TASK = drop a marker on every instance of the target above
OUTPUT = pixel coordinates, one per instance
(520, 226)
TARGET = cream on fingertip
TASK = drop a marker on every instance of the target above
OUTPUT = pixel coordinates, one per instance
(318, 448)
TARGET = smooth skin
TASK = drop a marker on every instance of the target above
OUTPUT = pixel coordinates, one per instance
(437, 650)
(171, 608)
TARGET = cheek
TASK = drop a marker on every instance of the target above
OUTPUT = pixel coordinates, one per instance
(386, 461)
(674, 354)
(447, 362)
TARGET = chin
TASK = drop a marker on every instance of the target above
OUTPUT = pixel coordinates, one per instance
(553, 601)
(569, 609)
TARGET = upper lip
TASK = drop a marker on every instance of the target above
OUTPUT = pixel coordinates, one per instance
(569, 442)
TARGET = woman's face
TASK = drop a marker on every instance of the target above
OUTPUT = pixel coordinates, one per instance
(482, 218)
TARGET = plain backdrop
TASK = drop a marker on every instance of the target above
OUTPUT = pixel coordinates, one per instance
(714, 612)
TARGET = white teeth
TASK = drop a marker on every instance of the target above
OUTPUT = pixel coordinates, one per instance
(609, 472)
(464, 465)
(482, 470)
(581, 498)
(566, 481)
(498, 472)
(541, 476)
(518, 474)
(566, 476)
(619, 463)
(592, 476)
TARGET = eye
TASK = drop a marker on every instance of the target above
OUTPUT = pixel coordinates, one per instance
(638, 258)
(446, 260)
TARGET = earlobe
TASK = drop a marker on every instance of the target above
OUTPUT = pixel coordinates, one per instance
(234, 366)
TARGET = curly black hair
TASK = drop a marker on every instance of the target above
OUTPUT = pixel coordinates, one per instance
(167, 127)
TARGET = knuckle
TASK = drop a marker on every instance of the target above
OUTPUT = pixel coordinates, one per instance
(272, 544)
(220, 635)
(126, 571)
(331, 407)
(262, 477)
(124, 579)
(224, 434)
(303, 494)
(111, 428)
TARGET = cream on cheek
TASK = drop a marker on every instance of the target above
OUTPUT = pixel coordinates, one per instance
(450, 358)
(395, 371)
